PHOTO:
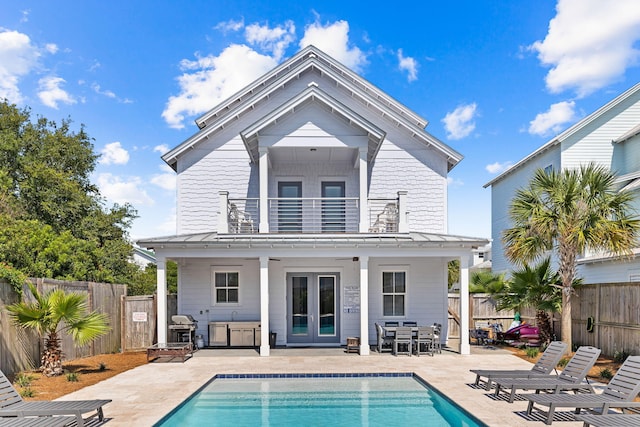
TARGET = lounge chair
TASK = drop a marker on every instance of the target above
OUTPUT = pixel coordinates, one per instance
(542, 367)
(37, 422)
(619, 393)
(12, 405)
(571, 377)
(610, 420)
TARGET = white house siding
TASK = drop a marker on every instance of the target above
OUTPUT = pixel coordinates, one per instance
(414, 170)
(502, 193)
(195, 290)
(626, 156)
(426, 299)
(610, 271)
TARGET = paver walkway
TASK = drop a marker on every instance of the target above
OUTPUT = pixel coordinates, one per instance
(143, 395)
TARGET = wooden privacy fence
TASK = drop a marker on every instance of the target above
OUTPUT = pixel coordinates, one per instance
(20, 349)
(139, 320)
(612, 308)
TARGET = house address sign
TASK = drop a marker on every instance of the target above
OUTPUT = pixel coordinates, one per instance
(351, 299)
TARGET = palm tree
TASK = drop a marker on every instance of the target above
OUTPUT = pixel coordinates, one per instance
(569, 212)
(538, 287)
(486, 282)
(53, 314)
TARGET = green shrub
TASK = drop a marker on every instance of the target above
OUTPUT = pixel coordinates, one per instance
(563, 362)
(606, 374)
(532, 352)
(73, 377)
(620, 356)
(27, 392)
(23, 380)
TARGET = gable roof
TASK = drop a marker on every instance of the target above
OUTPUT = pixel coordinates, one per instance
(569, 132)
(311, 59)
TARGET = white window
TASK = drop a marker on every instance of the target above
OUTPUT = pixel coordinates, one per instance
(226, 287)
(394, 290)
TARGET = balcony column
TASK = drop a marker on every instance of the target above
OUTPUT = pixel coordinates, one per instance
(161, 298)
(264, 190)
(364, 305)
(264, 306)
(364, 184)
(465, 348)
(403, 224)
(223, 213)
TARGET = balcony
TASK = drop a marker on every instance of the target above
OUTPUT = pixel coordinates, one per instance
(334, 215)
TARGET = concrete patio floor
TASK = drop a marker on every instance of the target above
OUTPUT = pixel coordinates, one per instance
(142, 396)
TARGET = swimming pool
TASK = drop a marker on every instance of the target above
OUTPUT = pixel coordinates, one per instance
(318, 400)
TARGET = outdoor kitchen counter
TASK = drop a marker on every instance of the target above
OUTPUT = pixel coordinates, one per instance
(240, 333)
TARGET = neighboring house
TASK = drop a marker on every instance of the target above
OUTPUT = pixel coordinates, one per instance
(481, 259)
(143, 257)
(315, 204)
(608, 137)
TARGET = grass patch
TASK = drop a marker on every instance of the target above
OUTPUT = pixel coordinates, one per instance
(73, 377)
(606, 374)
(27, 392)
(532, 352)
(23, 380)
(563, 362)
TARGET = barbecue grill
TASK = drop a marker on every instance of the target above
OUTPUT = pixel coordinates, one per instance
(184, 327)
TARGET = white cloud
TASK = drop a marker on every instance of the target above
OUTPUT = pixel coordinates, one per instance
(166, 181)
(275, 40)
(408, 64)
(553, 119)
(209, 80)
(230, 25)
(460, 122)
(51, 48)
(454, 183)
(498, 167)
(162, 148)
(590, 43)
(18, 57)
(334, 40)
(118, 190)
(51, 93)
(97, 89)
(114, 154)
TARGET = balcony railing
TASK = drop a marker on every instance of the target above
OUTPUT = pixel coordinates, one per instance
(309, 215)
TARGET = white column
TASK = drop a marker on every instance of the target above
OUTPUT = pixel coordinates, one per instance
(264, 190)
(364, 306)
(161, 299)
(465, 348)
(223, 214)
(264, 306)
(364, 183)
(403, 224)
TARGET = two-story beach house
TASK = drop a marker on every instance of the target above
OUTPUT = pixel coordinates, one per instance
(314, 205)
(608, 137)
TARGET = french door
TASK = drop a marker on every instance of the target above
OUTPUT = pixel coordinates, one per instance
(312, 308)
(333, 207)
(290, 207)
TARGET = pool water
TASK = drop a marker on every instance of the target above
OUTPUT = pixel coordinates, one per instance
(318, 400)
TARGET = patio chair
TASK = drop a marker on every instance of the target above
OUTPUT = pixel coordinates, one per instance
(384, 342)
(542, 367)
(391, 323)
(610, 420)
(619, 393)
(37, 422)
(403, 338)
(571, 377)
(424, 341)
(12, 405)
(437, 330)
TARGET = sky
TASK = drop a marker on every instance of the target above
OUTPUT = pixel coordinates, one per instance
(496, 79)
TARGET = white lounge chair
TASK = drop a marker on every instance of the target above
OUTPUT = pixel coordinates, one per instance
(571, 377)
(12, 405)
(610, 420)
(542, 367)
(37, 422)
(619, 393)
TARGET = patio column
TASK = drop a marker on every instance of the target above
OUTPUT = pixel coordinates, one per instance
(161, 300)
(364, 305)
(264, 306)
(364, 206)
(465, 348)
(264, 190)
